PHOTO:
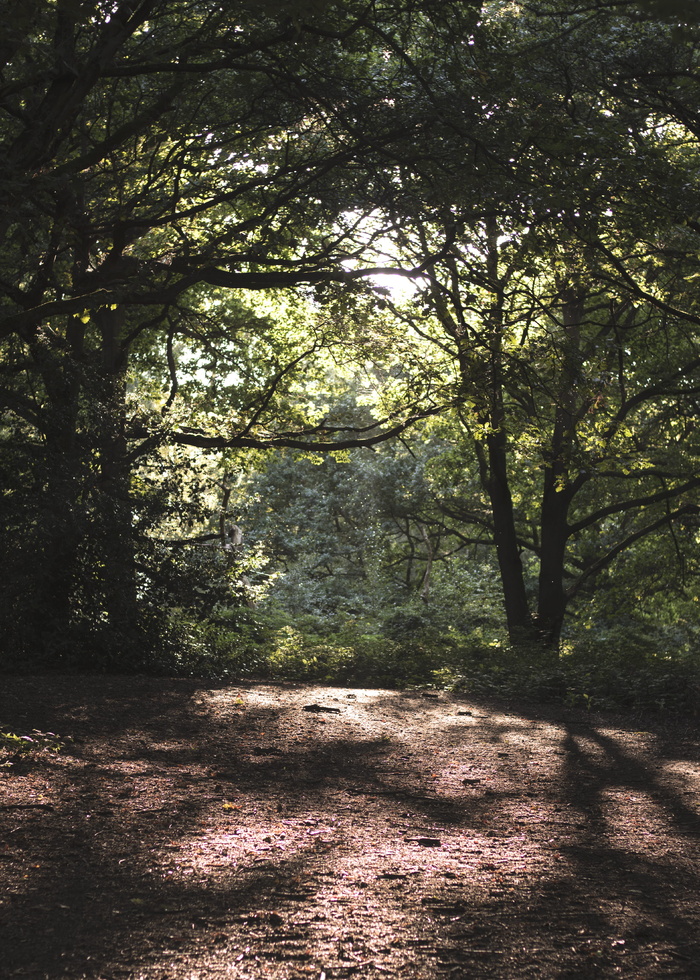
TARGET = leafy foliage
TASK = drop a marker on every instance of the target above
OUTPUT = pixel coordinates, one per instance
(14, 747)
(201, 211)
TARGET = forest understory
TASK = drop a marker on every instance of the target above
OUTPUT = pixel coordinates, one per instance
(186, 830)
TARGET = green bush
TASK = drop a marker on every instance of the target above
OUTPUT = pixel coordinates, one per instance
(622, 668)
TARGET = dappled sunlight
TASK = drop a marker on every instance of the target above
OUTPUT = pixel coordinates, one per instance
(686, 775)
(634, 820)
(397, 834)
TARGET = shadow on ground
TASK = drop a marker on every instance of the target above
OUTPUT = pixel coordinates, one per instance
(196, 831)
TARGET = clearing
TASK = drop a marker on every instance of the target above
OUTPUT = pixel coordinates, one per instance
(197, 831)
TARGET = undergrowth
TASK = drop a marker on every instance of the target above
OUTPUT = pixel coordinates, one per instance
(14, 746)
(625, 672)
(624, 668)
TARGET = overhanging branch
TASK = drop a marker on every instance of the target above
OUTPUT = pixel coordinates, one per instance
(636, 504)
(304, 441)
(610, 555)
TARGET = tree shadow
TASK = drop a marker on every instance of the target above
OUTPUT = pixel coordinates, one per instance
(538, 873)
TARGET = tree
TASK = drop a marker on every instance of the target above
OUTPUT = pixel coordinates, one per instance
(159, 159)
(153, 155)
(163, 163)
(576, 378)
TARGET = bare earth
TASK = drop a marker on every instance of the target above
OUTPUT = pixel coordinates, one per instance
(195, 832)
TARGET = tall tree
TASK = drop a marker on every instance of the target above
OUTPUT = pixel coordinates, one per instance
(560, 299)
(153, 153)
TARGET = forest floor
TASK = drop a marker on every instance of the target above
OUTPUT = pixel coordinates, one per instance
(195, 831)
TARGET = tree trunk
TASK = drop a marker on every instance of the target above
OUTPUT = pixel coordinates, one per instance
(59, 524)
(560, 484)
(113, 502)
(494, 469)
(517, 608)
(551, 599)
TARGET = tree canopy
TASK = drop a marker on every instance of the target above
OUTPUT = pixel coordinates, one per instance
(201, 207)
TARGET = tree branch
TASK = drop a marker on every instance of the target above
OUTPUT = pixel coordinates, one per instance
(607, 558)
(297, 441)
(636, 504)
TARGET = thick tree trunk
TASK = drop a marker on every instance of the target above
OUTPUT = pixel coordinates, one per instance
(113, 502)
(494, 464)
(551, 600)
(560, 484)
(518, 618)
(483, 383)
(59, 524)
(58, 571)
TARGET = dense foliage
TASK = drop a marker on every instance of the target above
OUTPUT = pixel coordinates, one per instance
(354, 341)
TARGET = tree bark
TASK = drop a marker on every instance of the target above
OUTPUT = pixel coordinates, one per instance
(495, 476)
(113, 501)
(517, 607)
(560, 483)
(60, 519)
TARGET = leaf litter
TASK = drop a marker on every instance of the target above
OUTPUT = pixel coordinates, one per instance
(187, 831)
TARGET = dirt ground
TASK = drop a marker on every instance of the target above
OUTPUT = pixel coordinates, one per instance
(194, 832)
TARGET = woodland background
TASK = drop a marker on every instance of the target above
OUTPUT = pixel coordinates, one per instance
(353, 342)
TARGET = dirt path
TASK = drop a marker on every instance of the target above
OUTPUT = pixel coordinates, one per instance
(194, 832)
